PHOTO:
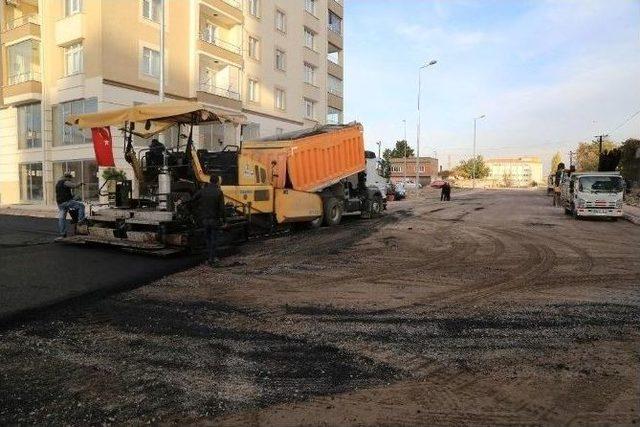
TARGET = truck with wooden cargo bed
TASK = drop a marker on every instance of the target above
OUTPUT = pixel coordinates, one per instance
(313, 177)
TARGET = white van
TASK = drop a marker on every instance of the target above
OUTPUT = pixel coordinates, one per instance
(593, 194)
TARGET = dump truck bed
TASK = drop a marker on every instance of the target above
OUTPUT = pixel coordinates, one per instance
(311, 159)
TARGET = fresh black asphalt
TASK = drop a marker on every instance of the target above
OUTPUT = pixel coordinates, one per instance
(36, 273)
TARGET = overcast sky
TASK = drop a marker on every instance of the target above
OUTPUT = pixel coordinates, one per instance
(547, 74)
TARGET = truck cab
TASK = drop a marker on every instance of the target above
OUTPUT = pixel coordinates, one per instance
(593, 194)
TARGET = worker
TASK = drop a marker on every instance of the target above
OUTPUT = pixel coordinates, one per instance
(557, 181)
(211, 215)
(446, 192)
(67, 202)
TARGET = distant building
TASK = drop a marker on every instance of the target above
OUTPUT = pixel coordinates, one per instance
(428, 168)
(515, 172)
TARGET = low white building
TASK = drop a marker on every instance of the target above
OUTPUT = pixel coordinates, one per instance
(515, 171)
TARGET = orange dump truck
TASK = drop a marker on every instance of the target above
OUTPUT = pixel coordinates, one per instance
(317, 174)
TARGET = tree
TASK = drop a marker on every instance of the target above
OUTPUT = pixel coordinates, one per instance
(587, 156)
(385, 163)
(555, 161)
(465, 168)
(399, 150)
(630, 160)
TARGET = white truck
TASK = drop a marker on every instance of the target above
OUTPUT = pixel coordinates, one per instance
(593, 194)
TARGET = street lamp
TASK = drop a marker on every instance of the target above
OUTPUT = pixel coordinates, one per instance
(379, 144)
(426, 64)
(473, 172)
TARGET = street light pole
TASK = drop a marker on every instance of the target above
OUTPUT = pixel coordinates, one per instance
(379, 145)
(418, 135)
(405, 151)
(473, 171)
(162, 30)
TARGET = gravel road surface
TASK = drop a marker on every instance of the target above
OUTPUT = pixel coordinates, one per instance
(491, 309)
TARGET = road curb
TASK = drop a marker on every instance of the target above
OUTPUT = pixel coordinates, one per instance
(31, 213)
(632, 218)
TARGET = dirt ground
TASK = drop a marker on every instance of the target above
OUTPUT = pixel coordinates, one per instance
(494, 308)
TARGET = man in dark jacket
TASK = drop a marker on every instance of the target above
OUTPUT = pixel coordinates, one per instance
(446, 192)
(66, 202)
(210, 205)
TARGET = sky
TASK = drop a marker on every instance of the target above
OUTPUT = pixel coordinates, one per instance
(547, 74)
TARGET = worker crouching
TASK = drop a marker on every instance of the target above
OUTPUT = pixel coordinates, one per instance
(211, 214)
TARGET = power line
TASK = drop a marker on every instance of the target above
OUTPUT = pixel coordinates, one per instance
(626, 121)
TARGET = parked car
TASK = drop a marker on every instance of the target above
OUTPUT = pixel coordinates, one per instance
(400, 191)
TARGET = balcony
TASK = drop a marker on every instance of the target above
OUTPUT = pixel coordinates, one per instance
(25, 26)
(335, 101)
(217, 96)
(220, 48)
(337, 7)
(335, 70)
(231, 9)
(334, 37)
(22, 87)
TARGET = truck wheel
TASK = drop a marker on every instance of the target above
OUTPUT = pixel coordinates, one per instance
(567, 211)
(332, 211)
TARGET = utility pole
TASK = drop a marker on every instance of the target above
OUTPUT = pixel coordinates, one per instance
(600, 138)
(405, 151)
(379, 145)
(571, 153)
(473, 171)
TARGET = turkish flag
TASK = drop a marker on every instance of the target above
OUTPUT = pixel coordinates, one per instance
(102, 145)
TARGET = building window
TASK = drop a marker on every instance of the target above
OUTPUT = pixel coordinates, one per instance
(254, 8)
(280, 99)
(250, 131)
(151, 10)
(209, 33)
(73, 58)
(64, 134)
(281, 21)
(309, 109)
(151, 62)
(254, 48)
(309, 39)
(335, 23)
(280, 60)
(23, 62)
(334, 85)
(29, 126)
(71, 7)
(309, 74)
(334, 116)
(254, 90)
(85, 171)
(31, 182)
(310, 6)
(334, 54)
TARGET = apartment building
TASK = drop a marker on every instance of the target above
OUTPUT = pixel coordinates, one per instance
(515, 172)
(278, 62)
(427, 169)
